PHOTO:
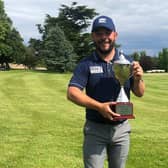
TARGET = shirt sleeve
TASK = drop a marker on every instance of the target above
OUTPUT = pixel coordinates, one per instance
(80, 76)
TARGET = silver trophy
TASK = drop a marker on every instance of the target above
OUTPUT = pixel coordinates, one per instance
(122, 71)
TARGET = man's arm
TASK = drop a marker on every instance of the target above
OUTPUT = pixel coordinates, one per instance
(139, 85)
(80, 98)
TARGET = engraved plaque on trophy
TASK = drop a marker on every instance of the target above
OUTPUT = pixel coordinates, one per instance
(122, 71)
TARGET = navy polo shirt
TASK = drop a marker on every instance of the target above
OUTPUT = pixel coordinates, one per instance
(97, 77)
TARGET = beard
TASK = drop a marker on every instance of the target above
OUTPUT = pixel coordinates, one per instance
(107, 51)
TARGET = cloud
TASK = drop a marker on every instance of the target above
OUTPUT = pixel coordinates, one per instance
(140, 24)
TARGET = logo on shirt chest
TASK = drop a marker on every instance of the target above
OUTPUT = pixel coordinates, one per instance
(96, 69)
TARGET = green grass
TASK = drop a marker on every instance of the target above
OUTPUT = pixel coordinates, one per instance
(39, 128)
(149, 139)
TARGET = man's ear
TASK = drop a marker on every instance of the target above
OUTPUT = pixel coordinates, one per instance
(115, 35)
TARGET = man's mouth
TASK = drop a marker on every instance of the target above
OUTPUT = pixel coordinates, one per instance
(104, 42)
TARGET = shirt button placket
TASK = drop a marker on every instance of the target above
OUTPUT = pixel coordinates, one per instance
(109, 69)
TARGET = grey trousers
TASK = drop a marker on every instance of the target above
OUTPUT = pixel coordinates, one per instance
(103, 141)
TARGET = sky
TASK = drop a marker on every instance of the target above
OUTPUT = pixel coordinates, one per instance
(142, 25)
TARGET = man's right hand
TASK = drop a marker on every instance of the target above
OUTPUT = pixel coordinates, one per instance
(106, 111)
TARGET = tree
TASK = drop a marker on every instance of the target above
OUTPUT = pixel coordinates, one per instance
(135, 56)
(37, 46)
(146, 62)
(15, 41)
(58, 51)
(163, 59)
(11, 43)
(155, 62)
(74, 21)
(30, 58)
(5, 50)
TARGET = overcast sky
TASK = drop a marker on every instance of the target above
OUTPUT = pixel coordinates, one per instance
(141, 24)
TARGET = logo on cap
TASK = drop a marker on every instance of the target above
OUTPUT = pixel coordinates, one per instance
(102, 20)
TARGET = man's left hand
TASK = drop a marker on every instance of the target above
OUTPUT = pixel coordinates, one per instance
(137, 71)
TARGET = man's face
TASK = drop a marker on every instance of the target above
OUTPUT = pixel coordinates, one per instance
(104, 40)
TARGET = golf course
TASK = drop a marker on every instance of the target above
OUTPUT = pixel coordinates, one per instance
(40, 128)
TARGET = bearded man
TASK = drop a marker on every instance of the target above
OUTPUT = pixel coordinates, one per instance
(103, 136)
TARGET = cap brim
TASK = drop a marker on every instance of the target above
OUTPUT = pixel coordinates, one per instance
(105, 27)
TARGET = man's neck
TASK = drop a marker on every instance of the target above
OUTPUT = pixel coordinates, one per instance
(107, 57)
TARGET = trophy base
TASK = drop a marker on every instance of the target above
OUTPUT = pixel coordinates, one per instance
(122, 117)
(125, 109)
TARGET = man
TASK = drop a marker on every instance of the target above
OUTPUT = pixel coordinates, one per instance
(102, 134)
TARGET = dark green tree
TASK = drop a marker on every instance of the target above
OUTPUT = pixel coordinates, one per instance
(74, 21)
(136, 56)
(11, 43)
(5, 49)
(163, 59)
(58, 51)
(155, 62)
(37, 46)
(146, 62)
(143, 53)
(30, 58)
(15, 41)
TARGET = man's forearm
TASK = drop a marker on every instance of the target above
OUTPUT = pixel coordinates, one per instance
(78, 97)
(139, 87)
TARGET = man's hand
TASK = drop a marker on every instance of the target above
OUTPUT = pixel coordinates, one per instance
(139, 86)
(106, 111)
(137, 71)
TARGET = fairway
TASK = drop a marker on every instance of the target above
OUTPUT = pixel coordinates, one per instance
(39, 128)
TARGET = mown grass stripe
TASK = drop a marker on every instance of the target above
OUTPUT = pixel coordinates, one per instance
(39, 128)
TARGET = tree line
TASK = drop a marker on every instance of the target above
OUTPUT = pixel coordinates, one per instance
(64, 41)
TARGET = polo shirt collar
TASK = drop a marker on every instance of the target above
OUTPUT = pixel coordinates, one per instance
(97, 57)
